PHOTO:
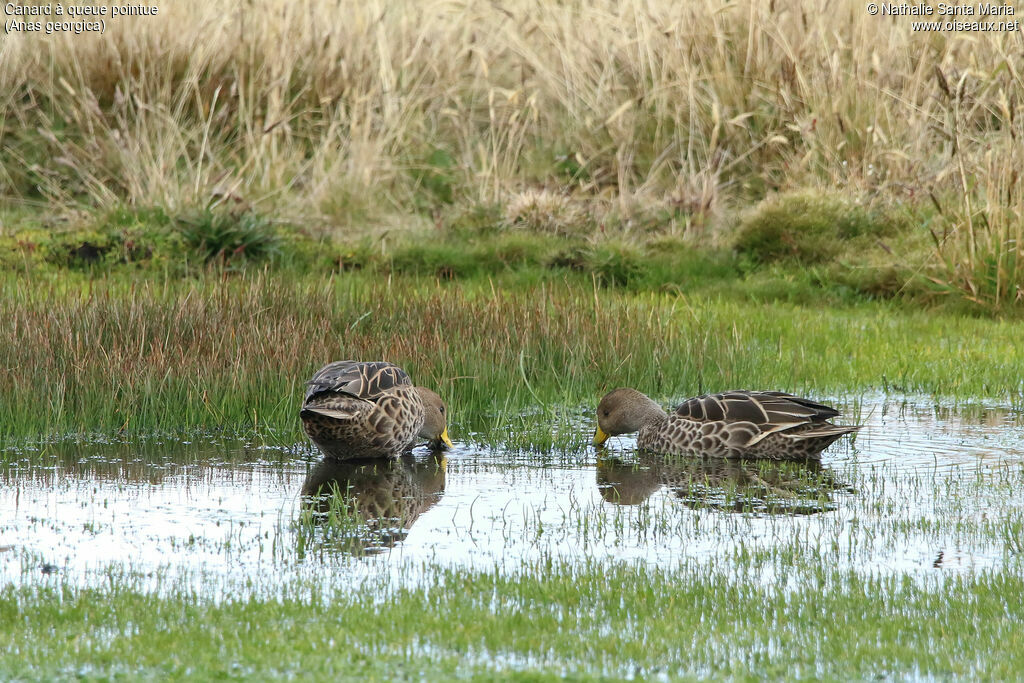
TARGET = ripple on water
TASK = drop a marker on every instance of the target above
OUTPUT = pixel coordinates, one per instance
(923, 488)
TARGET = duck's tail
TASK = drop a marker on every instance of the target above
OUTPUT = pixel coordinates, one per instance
(817, 437)
(313, 412)
(821, 430)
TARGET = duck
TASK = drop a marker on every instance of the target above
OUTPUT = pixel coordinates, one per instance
(770, 425)
(359, 410)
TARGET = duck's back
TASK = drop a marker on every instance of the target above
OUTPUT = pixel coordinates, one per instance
(361, 410)
(366, 381)
(746, 424)
(768, 408)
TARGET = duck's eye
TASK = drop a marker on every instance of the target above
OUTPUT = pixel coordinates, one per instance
(442, 410)
(606, 413)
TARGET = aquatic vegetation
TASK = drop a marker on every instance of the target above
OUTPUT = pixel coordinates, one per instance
(122, 354)
(677, 623)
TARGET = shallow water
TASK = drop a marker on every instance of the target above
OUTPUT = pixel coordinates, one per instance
(923, 488)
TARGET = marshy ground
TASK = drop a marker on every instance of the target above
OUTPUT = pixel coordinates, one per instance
(524, 205)
(899, 551)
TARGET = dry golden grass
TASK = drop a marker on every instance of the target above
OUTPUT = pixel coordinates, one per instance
(327, 112)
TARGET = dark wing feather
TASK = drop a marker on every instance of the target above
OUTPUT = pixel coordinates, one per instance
(766, 408)
(782, 407)
(367, 381)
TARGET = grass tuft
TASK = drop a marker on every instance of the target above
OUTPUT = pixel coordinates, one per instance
(227, 238)
(807, 227)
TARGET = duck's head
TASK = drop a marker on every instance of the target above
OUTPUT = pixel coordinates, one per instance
(435, 420)
(623, 411)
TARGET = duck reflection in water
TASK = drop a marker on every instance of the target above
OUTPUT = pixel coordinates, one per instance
(761, 486)
(368, 506)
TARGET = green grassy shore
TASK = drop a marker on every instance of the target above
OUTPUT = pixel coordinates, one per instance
(136, 355)
(606, 622)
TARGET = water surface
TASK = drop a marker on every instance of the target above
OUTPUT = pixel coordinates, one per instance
(924, 488)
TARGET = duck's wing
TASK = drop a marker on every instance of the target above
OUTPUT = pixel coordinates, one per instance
(771, 411)
(366, 381)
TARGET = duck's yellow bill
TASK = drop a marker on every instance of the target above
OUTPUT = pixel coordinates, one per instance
(599, 436)
(445, 440)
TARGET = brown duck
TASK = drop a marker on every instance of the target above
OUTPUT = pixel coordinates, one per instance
(735, 424)
(370, 410)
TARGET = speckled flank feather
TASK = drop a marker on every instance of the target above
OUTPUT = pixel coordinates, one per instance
(749, 424)
(361, 410)
(736, 424)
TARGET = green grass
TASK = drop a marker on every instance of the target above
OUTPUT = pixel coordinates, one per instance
(807, 247)
(103, 354)
(614, 621)
(811, 227)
